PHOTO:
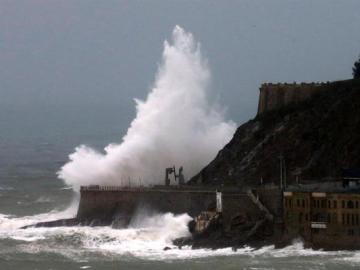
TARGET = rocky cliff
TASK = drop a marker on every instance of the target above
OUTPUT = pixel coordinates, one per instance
(317, 138)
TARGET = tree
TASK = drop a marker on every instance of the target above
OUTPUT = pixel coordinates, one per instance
(356, 69)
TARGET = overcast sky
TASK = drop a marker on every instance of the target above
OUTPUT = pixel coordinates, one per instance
(95, 56)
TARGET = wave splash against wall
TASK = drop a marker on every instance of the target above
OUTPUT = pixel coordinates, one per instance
(176, 124)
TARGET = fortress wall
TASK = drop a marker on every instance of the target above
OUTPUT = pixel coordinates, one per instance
(275, 96)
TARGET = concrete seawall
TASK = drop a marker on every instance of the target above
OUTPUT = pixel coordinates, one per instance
(113, 204)
(107, 204)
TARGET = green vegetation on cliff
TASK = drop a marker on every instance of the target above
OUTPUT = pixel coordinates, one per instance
(317, 137)
(356, 69)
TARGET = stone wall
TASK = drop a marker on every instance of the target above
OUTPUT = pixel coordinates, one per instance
(271, 198)
(238, 208)
(274, 96)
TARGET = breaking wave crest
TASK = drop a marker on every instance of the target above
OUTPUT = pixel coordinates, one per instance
(10, 226)
(145, 238)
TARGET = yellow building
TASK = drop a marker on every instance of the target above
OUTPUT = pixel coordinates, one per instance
(328, 220)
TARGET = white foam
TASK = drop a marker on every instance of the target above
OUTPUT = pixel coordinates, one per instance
(6, 188)
(10, 226)
(44, 199)
(145, 238)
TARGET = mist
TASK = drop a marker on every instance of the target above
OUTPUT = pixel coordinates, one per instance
(175, 125)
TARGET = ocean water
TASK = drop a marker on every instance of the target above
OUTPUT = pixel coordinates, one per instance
(30, 192)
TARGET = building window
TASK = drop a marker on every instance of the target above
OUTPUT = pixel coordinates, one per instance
(290, 203)
(303, 203)
(350, 204)
(347, 219)
(343, 219)
(334, 219)
(317, 203)
(323, 203)
(357, 219)
(357, 204)
(329, 204)
(328, 218)
(298, 203)
(350, 232)
(343, 204)
(306, 217)
(319, 217)
(300, 217)
(352, 219)
(335, 204)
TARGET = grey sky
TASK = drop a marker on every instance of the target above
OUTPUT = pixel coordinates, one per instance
(90, 57)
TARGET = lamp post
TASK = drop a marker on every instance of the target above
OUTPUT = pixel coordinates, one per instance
(282, 171)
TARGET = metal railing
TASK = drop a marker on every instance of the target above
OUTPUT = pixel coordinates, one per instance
(146, 188)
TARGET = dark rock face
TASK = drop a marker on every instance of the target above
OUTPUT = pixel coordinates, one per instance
(317, 138)
(215, 236)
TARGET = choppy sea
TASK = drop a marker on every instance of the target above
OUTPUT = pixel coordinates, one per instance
(31, 192)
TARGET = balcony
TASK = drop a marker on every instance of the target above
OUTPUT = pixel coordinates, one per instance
(318, 225)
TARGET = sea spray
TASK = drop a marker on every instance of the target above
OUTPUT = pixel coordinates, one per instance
(163, 228)
(146, 238)
(175, 125)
